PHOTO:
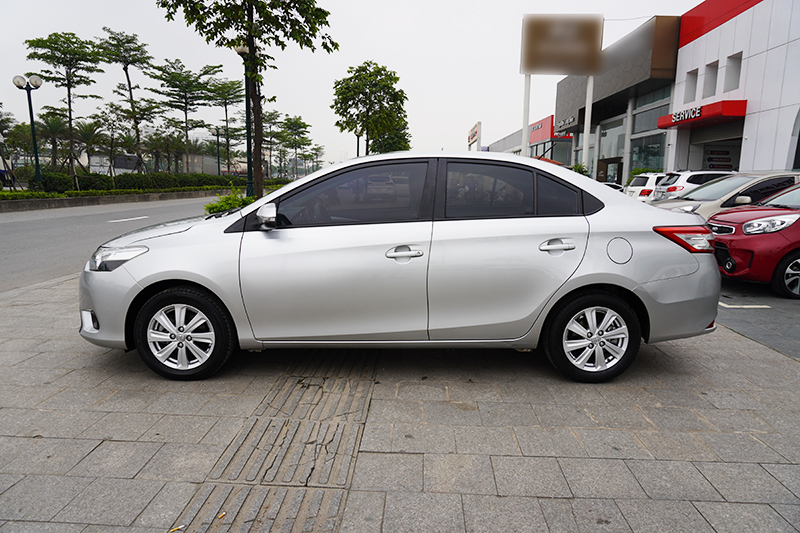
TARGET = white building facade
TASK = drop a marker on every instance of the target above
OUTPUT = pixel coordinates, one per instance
(736, 98)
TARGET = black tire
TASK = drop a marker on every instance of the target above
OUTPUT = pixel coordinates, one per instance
(184, 333)
(595, 355)
(786, 278)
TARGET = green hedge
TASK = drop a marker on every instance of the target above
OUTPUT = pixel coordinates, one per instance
(61, 183)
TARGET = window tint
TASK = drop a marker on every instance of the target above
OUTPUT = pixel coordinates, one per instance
(554, 198)
(767, 188)
(478, 190)
(638, 181)
(379, 193)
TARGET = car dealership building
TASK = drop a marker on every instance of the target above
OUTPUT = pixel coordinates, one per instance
(716, 88)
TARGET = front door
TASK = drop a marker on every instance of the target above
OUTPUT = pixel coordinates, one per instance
(344, 264)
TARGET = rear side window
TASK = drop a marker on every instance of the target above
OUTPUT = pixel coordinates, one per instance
(554, 198)
(479, 191)
(767, 188)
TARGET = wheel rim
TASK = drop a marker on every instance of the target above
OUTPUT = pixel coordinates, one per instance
(181, 337)
(791, 277)
(595, 339)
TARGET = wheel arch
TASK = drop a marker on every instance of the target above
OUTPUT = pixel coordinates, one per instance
(151, 290)
(629, 297)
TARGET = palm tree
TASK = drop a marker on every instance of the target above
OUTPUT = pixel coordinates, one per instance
(53, 128)
(89, 134)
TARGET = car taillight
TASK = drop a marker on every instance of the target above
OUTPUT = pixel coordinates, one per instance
(695, 239)
(646, 192)
(675, 188)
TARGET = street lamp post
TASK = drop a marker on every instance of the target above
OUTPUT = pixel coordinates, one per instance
(244, 52)
(31, 84)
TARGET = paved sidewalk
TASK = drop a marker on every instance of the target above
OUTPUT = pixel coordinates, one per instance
(699, 435)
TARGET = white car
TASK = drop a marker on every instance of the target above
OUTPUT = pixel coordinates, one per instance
(485, 251)
(677, 183)
(642, 186)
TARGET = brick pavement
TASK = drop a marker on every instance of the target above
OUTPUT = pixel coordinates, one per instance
(699, 435)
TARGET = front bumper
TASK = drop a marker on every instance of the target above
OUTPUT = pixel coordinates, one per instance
(104, 301)
(750, 257)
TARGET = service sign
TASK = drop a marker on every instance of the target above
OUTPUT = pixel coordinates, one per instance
(687, 114)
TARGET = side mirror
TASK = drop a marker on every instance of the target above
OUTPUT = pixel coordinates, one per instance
(743, 200)
(267, 215)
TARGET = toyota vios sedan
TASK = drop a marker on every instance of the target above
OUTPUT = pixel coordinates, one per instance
(762, 242)
(483, 250)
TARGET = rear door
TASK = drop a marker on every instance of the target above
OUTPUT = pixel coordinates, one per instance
(505, 238)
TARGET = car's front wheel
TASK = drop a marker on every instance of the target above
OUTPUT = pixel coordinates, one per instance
(593, 337)
(183, 333)
(786, 278)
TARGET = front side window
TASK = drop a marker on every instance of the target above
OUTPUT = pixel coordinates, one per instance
(477, 190)
(376, 193)
(767, 188)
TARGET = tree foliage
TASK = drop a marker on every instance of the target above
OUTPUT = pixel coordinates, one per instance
(7, 121)
(368, 102)
(72, 60)
(257, 25)
(185, 91)
(295, 136)
(126, 50)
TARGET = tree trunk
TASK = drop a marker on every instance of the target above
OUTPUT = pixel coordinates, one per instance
(138, 150)
(258, 119)
(71, 141)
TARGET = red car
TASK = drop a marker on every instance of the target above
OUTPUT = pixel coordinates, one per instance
(762, 242)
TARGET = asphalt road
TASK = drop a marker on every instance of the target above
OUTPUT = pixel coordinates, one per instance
(41, 245)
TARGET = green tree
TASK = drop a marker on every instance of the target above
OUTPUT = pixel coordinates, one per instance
(185, 91)
(295, 136)
(111, 120)
(72, 60)
(368, 102)
(126, 50)
(257, 25)
(90, 135)
(7, 121)
(227, 93)
(395, 140)
(272, 137)
(52, 127)
(19, 140)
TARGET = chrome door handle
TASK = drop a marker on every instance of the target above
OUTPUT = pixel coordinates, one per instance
(556, 244)
(393, 254)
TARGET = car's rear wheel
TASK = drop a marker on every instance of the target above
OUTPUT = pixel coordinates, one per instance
(593, 337)
(184, 333)
(786, 278)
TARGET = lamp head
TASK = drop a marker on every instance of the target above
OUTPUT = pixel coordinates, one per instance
(19, 81)
(35, 81)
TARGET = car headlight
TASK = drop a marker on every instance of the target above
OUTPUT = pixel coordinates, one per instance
(686, 208)
(106, 259)
(769, 224)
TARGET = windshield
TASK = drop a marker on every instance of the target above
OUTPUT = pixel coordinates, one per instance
(716, 189)
(671, 178)
(789, 198)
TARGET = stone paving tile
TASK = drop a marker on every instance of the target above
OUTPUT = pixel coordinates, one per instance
(676, 397)
(676, 446)
(116, 459)
(788, 475)
(230, 405)
(378, 438)
(624, 395)
(489, 514)
(790, 513)
(177, 403)
(731, 399)
(612, 444)
(474, 392)
(62, 424)
(41, 527)
(600, 478)
(383, 411)
(454, 413)
(739, 421)
(549, 442)
(111, 502)
(11, 447)
(166, 506)
(530, 476)
(75, 400)
(388, 472)
(19, 396)
(507, 414)
(619, 417)
(561, 416)
(675, 419)
(422, 438)
(584, 515)
(524, 392)
(121, 426)
(430, 512)
(50, 456)
(189, 429)
(558, 515)
(8, 480)
(50, 494)
(672, 480)
(363, 513)
(422, 391)
(486, 440)
(740, 448)
(648, 516)
(459, 474)
(760, 487)
(743, 518)
(182, 462)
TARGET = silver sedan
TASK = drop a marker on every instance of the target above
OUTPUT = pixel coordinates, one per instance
(472, 250)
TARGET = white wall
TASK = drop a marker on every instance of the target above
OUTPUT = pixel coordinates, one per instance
(768, 37)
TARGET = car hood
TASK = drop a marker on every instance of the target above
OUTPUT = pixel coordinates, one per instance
(157, 230)
(676, 202)
(740, 215)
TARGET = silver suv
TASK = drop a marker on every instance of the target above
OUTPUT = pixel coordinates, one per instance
(677, 183)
